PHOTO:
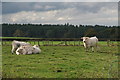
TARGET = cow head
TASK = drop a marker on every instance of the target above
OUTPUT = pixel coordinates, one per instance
(36, 46)
(21, 49)
(85, 39)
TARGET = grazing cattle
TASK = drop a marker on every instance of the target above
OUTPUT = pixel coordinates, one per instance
(17, 44)
(27, 49)
(90, 42)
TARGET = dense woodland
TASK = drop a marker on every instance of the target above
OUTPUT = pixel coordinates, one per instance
(59, 31)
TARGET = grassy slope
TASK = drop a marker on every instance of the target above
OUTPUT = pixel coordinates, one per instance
(61, 62)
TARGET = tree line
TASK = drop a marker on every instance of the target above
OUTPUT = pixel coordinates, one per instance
(66, 30)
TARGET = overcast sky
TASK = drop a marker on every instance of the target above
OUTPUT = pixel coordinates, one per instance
(102, 13)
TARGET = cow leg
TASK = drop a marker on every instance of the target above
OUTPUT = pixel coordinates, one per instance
(24, 52)
(98, 48)
(87, 49)
(14, 48)
(17, 53)
(92, 49)
(29, 52)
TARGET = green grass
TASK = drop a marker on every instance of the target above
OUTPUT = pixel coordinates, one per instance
(62, 62)
(101, 43)
(18, 38)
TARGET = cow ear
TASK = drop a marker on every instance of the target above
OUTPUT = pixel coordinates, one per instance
(37, 45)
(81, 38)
(86, 38)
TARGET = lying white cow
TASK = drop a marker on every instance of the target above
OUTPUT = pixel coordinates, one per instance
(27, 49)
(90, 42)
(36, 49)
(17, 44)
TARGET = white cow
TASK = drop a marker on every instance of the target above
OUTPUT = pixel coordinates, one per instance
(21, 50)
(17, 44)
(36, 49)
(27, 49)
(90, 42)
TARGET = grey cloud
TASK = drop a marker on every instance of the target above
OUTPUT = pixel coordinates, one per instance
(94, 7)
(13, 7)
(60, 1)
(61, 12)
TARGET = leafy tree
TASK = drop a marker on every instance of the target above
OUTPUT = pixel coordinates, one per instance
(50, 34)
(59, 30)
(19, 33)
(90, 32)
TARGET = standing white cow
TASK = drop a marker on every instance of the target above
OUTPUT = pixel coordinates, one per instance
(17, 44)
(90, 42)
(27, 49)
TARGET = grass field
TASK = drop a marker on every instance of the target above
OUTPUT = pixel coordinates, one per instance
(17, 38)
(62, 62)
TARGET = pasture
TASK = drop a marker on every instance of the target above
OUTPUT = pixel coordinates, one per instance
(61, 62)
